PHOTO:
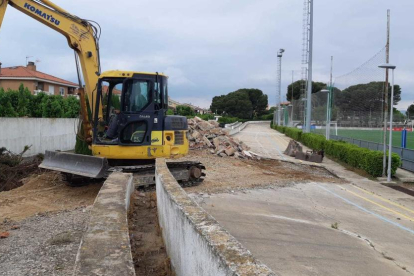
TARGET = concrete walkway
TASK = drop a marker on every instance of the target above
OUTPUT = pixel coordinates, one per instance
(359, 228)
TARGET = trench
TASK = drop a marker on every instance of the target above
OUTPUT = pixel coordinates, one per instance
(147, 246)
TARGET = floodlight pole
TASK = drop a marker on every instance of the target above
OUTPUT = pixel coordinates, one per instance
(386, 104)
(392, 67)
(279, 87)
(309, 92)
(391, 115)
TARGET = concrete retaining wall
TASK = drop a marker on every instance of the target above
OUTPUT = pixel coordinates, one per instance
(40, 133)
(195, 242)
(233, 125)
(241, 127)
(105, 247)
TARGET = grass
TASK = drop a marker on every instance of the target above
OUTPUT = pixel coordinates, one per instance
(373, 136)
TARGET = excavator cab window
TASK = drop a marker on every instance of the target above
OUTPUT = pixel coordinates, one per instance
(110, 94)
(165, 93)
(137, 95)
(157, 95)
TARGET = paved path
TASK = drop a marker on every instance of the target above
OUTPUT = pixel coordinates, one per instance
(264, 141)
(360, 228)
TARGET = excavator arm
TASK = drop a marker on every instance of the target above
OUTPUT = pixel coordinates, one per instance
(82, 37)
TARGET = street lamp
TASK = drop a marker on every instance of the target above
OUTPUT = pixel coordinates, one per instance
(387, 66)
(328, 120)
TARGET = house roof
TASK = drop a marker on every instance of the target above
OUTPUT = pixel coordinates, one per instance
(114, 91)
(21, 72)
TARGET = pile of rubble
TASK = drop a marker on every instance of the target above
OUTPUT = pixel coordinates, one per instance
(209, 135)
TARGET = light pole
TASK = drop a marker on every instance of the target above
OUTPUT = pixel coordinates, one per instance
(328, 120)
(291, 102)
(279, 87)
(387, 66)
(309, 92)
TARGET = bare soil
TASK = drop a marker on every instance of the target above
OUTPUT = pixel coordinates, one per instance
(45, 192)
(226, 174)
(148, 250)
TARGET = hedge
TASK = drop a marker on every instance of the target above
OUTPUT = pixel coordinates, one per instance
(357, 157)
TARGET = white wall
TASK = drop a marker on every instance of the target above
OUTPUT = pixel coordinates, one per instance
(41, 133)
(196, 244)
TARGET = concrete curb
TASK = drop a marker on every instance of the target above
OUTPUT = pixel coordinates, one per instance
(105, 247)
(195, 242)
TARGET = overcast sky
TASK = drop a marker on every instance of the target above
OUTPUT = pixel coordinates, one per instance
(212, 47)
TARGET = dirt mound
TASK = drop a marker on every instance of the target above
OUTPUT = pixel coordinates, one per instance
(44, 192)
(13, 168)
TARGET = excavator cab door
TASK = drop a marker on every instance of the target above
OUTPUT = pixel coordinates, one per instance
(140, 113)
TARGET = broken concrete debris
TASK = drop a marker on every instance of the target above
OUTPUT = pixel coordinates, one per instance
(209, 135)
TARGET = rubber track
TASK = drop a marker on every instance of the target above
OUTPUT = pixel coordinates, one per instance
(184, 165)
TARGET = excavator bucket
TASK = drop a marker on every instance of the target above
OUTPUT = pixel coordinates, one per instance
(83, 165)
(293, 148)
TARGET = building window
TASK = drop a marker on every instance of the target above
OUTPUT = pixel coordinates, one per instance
(51, 90)
(62, 91)
(40, 86)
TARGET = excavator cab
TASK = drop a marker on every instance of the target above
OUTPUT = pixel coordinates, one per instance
(133, 127)
(134, 124)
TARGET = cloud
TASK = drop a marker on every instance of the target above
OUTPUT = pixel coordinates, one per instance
(212, 47)
(178, 78)
(203, 102)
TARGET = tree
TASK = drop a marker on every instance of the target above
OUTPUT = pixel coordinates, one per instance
(71, 107)
(410, 111)
(24, 99)
(184, 110)
(258, 99)
(52, 107)
(297, 89)
(243, 103)
(6, 108)
(398, 116)
(35, 106)
(365, 97)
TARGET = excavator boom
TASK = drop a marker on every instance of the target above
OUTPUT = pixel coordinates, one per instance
(126, 121)
(82, 37)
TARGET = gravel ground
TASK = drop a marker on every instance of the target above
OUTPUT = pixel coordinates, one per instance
(45, 244)
(229, 174)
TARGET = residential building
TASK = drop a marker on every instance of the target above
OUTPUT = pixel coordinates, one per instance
(35, 81)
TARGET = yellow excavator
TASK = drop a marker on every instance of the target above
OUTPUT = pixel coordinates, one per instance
(123, 113)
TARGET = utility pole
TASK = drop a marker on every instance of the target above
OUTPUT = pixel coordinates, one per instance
(387, 60)
(279, 85)
(309, 92)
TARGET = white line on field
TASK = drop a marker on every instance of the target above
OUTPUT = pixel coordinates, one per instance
(280, 217)
(260, 144)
